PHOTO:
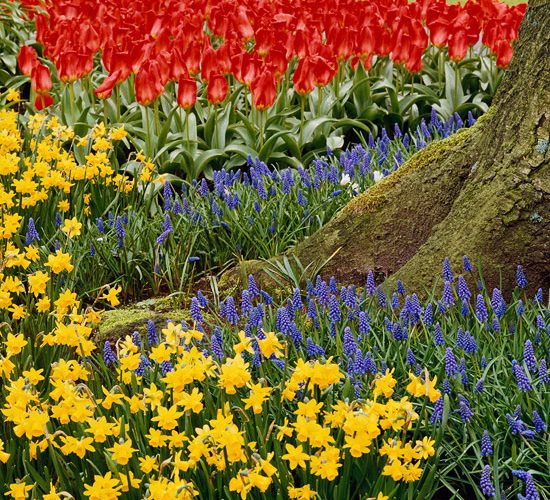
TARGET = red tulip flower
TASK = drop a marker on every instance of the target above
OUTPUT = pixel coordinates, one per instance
(187, 92)
(264, 90)
(192, 59)
(148, 83)
(223, 59)
(105, 90)
(504, 52)
(323, 70)
(27, 59)
(42, 101)
(277, 59)
(365, 43)
(244, 28)
(41, 80)
(209, 63)
(217, 88)
(303, 78)
(177, 68)
(246, 68)
(73, 66)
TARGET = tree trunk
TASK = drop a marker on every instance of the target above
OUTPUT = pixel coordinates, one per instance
(484, 192)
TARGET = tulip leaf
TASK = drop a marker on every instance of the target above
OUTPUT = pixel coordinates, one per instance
(283, 159)
(241, 150)
(292, 146)
(166, 128)
(246, 122)
(203, 159)
(313, 126)
(348, 122)
(406, 103)
(220, 127)
(82, 126)
(270, 143)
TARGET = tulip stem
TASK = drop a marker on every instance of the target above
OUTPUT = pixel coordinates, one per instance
(263, 119)
(157, 119)
(302, 119)
(457, 79)
(117, 95)
(215, 137)
(187, 128)
(440, 63)
(71, 98)
(337, 81)
(91, 89)
(319, 97)
(148, 132)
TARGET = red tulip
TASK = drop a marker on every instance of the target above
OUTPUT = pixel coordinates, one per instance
(264, 91)
(244, 28)
(365, 43)
(27, 59)
(43, 101)
(300, 43)
(342, 40)
(177, 68)
(504, 52)
(223, 59)
(439, 32)
(246, 67)
(383, 37)
(105, 90)
(263, 41)
(192, 59)
(177, 36)
(276, 58)
(41, 80)
(117, 61)
(458, 45)
(217, 88)
(323, 70)
(303, 78)
(209, 63)
(148, 83)
(165, 67)
(414, 61)
(187, 92)
(72, 66)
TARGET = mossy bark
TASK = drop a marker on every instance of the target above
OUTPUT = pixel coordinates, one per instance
(484, 192)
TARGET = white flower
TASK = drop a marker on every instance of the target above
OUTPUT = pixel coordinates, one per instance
(377, 175)
(346, 179)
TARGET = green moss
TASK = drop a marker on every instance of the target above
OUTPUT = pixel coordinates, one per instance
(121, 322)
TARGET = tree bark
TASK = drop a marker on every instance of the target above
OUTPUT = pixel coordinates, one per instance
(484, 192)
